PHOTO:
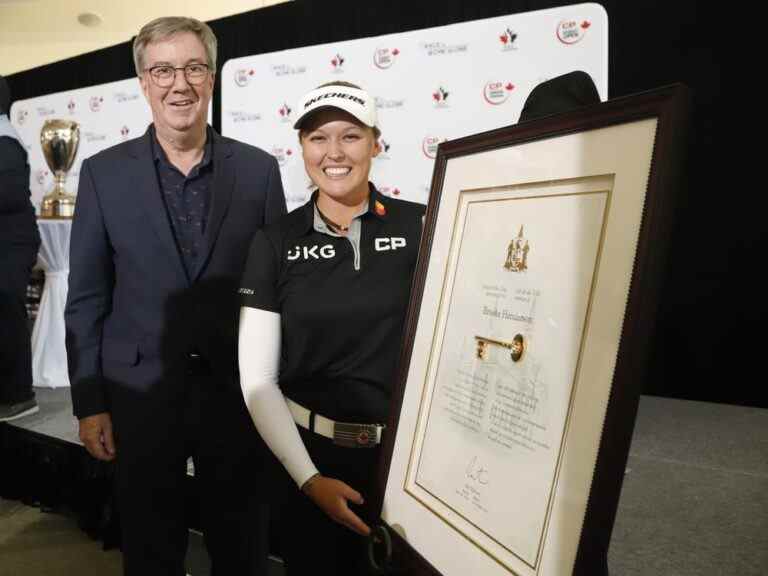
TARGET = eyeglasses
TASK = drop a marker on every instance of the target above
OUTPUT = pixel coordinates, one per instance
(164, 76)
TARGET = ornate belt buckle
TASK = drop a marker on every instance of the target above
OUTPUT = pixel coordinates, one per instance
(354, 435)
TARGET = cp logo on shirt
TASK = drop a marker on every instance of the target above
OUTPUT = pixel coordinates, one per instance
(384, 244)
(312, 252)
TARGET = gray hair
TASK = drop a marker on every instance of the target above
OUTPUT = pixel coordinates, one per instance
(168, 26)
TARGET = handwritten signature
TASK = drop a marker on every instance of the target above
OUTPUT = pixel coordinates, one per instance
(475, 471)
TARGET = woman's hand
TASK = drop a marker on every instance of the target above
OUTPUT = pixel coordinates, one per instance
(331, 496)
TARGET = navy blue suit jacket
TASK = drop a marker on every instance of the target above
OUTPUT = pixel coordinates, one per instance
(132, 311)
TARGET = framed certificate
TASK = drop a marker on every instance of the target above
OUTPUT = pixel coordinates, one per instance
(526, 338)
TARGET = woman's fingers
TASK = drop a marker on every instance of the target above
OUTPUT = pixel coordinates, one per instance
(349, 493)
(332, 495)
(354, 523)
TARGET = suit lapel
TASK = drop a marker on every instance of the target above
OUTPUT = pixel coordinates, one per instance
(221, 196)
(148, 195)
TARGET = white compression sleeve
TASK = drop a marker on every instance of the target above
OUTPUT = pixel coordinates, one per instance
(259, 356)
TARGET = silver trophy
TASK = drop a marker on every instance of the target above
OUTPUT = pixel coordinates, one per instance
(59, 140)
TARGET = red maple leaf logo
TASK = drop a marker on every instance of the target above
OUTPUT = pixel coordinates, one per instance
(436, 96)
(510, 86)
(585, 24)
(503, 38)
(334, 62)
(288, 152)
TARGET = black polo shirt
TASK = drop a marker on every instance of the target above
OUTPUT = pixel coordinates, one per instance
(341, 326)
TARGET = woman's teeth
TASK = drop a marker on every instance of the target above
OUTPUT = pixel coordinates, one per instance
(336, 171)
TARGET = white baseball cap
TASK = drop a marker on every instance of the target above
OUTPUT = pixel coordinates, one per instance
(355, 101)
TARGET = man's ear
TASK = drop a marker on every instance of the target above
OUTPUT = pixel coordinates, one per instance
(144, 82)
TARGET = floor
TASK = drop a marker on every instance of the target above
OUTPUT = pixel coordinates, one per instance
(39, 544)
(695, 494)
(694, 500)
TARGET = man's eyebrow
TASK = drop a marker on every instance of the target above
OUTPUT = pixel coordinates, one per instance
(190, 61)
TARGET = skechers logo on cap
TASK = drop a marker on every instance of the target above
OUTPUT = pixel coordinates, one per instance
(342, 95)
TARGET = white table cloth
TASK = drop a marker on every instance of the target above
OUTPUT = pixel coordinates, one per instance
(49, 355)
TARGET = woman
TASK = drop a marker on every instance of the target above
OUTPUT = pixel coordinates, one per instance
(324, 295)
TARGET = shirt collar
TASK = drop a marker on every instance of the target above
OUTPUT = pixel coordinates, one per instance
(377, 208)
(159, 154)
(319, 224)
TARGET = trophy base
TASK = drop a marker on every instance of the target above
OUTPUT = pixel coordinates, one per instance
(58, 207)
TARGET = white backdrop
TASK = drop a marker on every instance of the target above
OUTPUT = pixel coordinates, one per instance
(430, 85)
(107, 113)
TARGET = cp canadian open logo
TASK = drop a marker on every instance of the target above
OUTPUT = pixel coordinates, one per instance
(572, 31)
(243, 76)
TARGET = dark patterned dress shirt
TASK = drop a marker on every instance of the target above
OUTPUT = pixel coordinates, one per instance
(188, 201)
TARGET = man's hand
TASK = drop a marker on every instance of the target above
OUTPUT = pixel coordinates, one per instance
(96, 434)
(331, 496)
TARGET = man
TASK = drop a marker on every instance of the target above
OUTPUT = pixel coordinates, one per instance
(160, 236)
(19, 242)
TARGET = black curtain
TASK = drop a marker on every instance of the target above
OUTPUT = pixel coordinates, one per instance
(712, 308)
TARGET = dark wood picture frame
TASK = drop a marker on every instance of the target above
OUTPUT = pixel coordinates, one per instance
(669, 107)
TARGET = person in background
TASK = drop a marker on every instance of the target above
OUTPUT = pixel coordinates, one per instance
(560, 94)
(19, 243)
(324, 296)
(159, 239)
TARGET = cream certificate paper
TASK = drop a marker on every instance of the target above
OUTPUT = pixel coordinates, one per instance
(522, 265)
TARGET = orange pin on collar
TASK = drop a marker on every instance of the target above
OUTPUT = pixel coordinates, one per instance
(380, 209)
